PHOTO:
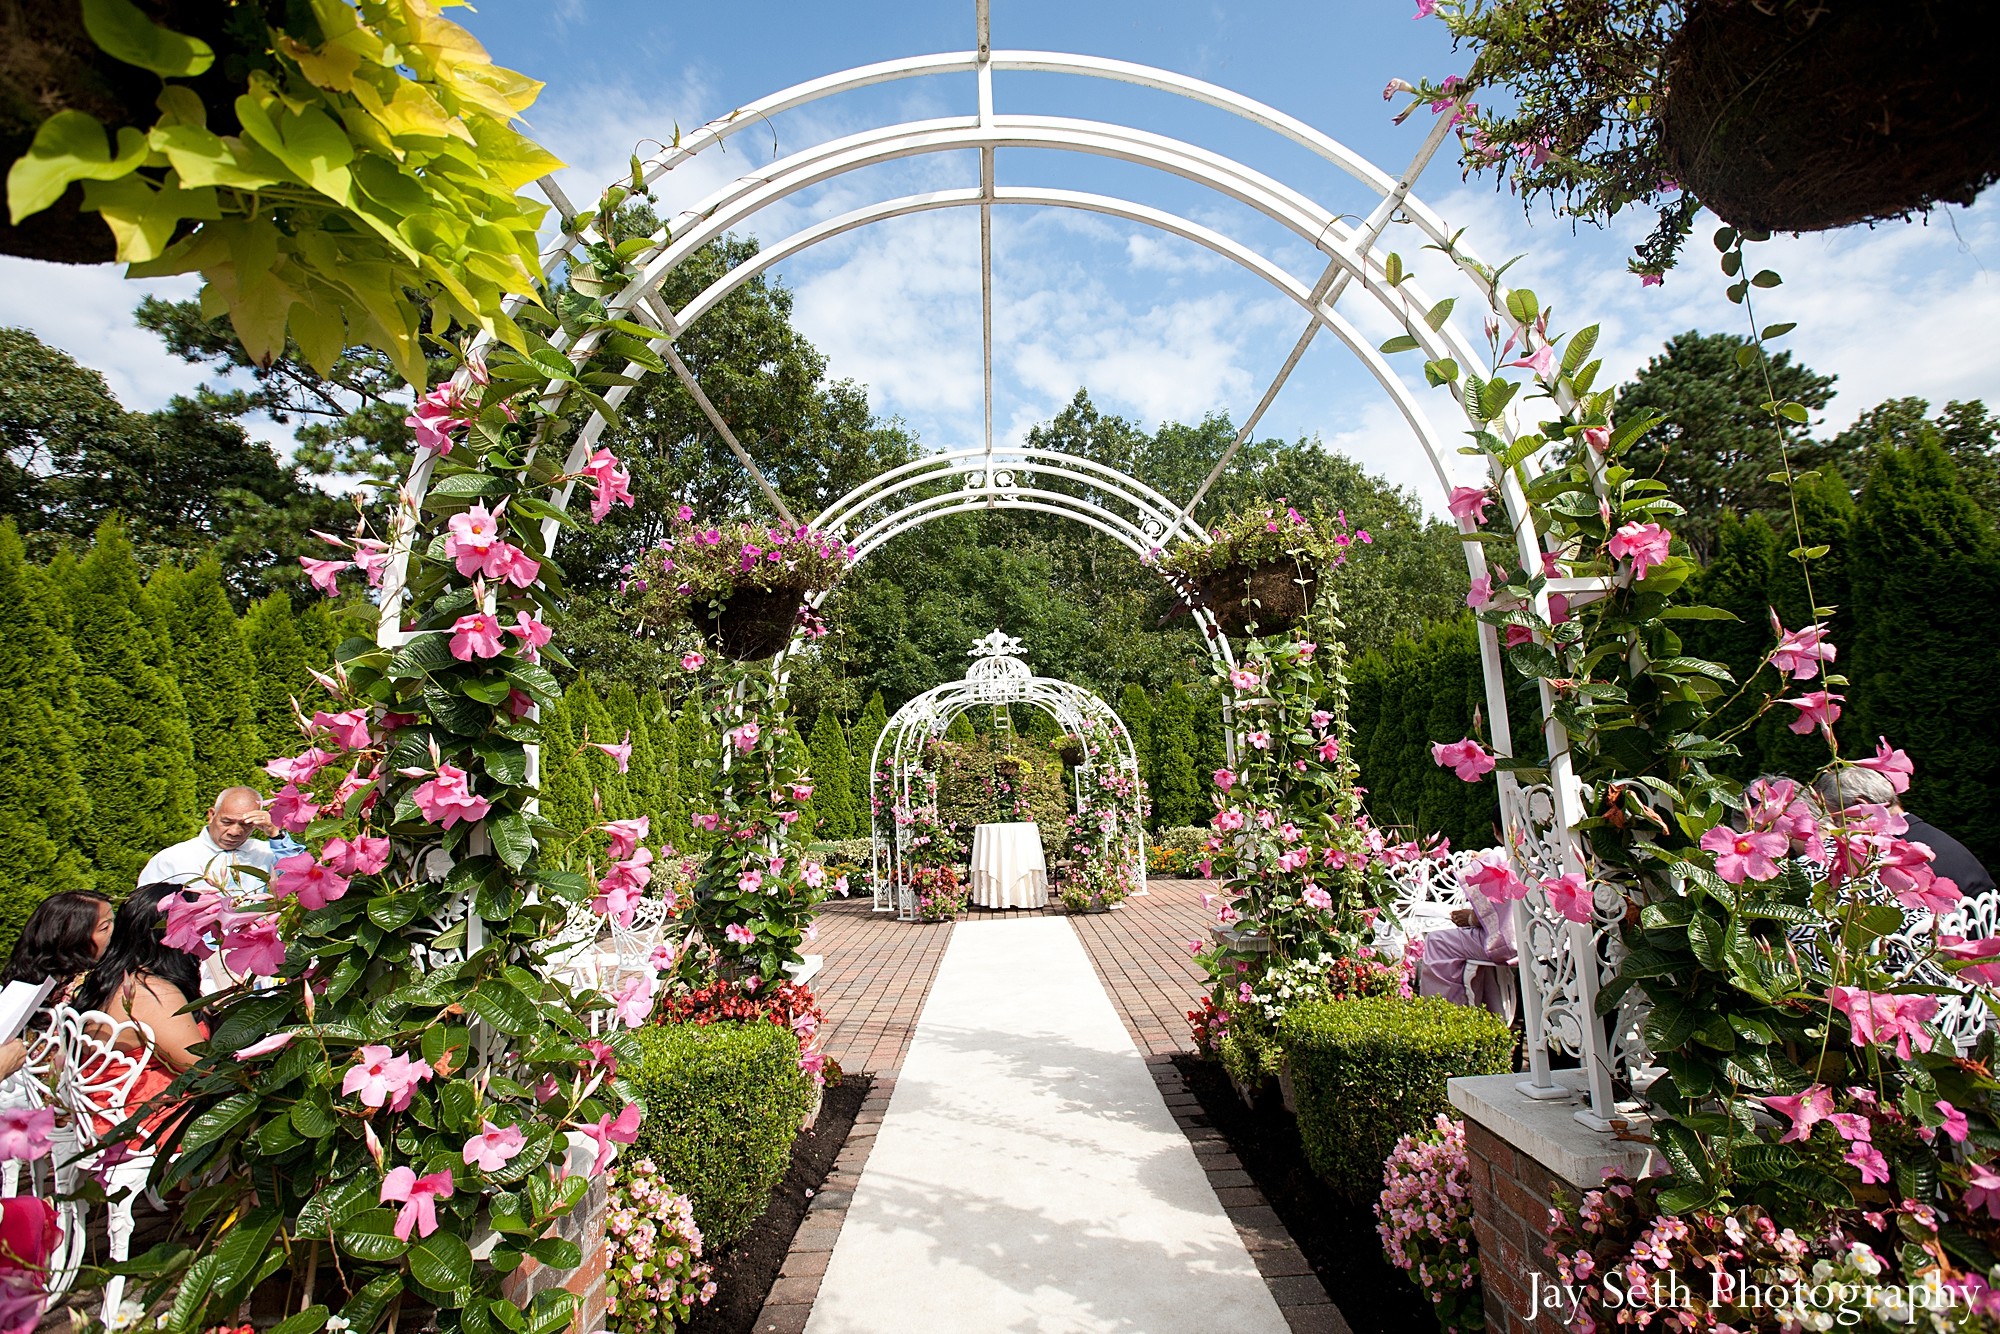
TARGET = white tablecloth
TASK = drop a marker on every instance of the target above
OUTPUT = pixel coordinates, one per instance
(1007, 866)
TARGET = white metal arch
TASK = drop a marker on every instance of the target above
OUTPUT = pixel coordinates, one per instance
(996, 678)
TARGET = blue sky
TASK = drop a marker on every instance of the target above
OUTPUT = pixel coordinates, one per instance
(1155, 327)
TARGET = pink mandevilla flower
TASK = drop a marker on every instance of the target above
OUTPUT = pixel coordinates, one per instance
(448, 798)
(476, 636)
(1469, 502)
(494, 1147)
(325, 574)
(24, 1133)
(625, 835)
(1571, 896)
(1800, 652)
(1803, 1110)
(609, 482)
(250, 944)
(306, 878)
(418, 1196)
(1466, 758)
(1646, 543)
(1749, 856)
(1492, 874)
(1818, 708)
(1875, 1018)
(1891, 763)
(620, 752)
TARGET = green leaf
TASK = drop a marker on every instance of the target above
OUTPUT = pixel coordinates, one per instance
(220, 1119)
(393, 912)
(502, 1006)
(1442, 371)
(1794, 412)
(1777, 330)
(1440, 313)
(1766, 278)
(1523, 306)
(1392, 269)
(513, 839)
(441, 1262)
(308, 1321)
(123, 33)
(335, 1205)
(1698, 614)
(556, 1252)
(70, 146)
(1581, 344)
(193, 1296)
(371, 1235)
(1400, 343)
(365, 1307)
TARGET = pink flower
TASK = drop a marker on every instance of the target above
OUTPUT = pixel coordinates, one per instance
(250, 944)
(1228, 821)
(372, 558)
(437, 415)
(1777, 806)
(347, 729)
(1597, 437)
(625, 835)
(418, 1196)
(1480, 592)
(292, 810)
(1877, 1017)
(1492, 874)
(191, 916)
(1800, 651)
(744, 738)
(492, 1148)
(691, 661)
(1820, 708)
(315, 885)
(470, 536)
(609, 482)
(476, 636)
(1328, 747)
(739, 934)
(1987, 951)
(1542, 361)
(1874, 1168)
(1260, 739)
(1982, 1188)
(325, 574)
(1242, 678)
(1740, 857)
(1315, 897)
(1804, 1110)
(750, 881)
(532, 634)
(621, 752)
(1466, 757)
(1571, 896)
(1954, 1127)
(277, 1042)
(448, 798)
(1426, 8)
(633, 1002)
(1649, 280)
(379, 1076)
(1645, 543)
(1891, 763)
(364, 855)
(300, 768)
(607, 1130)
(1469, 502)
(24, 1133)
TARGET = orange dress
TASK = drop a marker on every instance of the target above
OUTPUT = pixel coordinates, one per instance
(154, 1080)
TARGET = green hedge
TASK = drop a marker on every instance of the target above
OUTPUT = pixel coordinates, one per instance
(1366, 1072)
(723, 1104)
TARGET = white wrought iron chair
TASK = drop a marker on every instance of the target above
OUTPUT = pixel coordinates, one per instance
(33, 1085)
(634, 944)
(98, 1074)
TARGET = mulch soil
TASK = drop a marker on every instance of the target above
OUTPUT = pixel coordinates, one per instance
(1338, 1239)
(745, 1271)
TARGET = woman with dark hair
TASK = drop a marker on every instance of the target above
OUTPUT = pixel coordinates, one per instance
(64, 938)
(142, 978)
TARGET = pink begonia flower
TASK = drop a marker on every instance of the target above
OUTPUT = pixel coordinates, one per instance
(625, 835)
(691, 661)
(1646, 543)
(1570, 895)
(1982, 1188)
(371, 556)
(1492, 874)
(476, 636)
(292, 810)
(1225, 779)
(314, 884)
(300, 768)
(1800, 651)
(1803, 1110)
(1469, 502)
(1986, 971)
(633, 1002)
(1875, 1017)
(418, 1196)
(24, 1133)
(1874, 1168)
(192, 915)
(250, 944)
(494, 1147)
(325, 574)
(1891, 763)
(1480, 593)
(739, 934)
(277, 1042)
(1465, 757)
(347, 729)
(1315, 897)
(1955, 1129)
(448, 798)
(609, 482)
(1242, 678)
(379, 1076)
(620, 752)
(532, 634)
(744, 738)
(1820, 708)
(1740, 857)
(365, 854)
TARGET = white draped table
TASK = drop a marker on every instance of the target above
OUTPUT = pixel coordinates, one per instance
(1007, 866)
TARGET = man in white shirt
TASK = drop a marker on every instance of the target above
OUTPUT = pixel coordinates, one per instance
(227, 843)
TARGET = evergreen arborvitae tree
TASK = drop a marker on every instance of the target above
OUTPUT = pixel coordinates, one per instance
(642, 777)
(271, 634)
(1135, 710)
(672, 821)
(692, 745)
(961, 731)
(874, 717)
(566, 785)
(590, 722)
(1924, 575)
(1176, 782)
(44, 809)
(833, 783)
(216, 674)
(132, 722)
(1401, 702)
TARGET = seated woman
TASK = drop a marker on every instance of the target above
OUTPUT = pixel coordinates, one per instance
(141, 978)
(62, 939)
(1482, 933)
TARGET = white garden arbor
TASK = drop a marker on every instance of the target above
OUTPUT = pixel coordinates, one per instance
(996, 679)
(1563, 964)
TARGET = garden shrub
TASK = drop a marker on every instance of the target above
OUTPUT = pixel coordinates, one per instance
(723, 1104)
(1368, 1071)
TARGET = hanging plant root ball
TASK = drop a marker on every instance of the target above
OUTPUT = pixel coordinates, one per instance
(1802, 115)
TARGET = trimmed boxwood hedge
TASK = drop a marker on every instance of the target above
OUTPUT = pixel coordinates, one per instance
(1365, 1072)
(723, 1104)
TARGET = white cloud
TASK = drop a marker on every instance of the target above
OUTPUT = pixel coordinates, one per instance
(86, 310)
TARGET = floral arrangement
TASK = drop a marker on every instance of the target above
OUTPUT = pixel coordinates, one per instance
(940, 896)
(1263, 536)
(1100, 882)
(654, 1273)
(699, 565)
(1251, 997)
(1425, 1222)
(927, 840)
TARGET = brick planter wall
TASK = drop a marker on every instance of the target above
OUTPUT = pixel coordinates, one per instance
(583, 1225)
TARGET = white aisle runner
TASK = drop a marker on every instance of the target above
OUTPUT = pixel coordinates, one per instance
(1027, 1175)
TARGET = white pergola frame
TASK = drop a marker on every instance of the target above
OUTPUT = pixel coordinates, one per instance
(994, 680)
(1561, 980)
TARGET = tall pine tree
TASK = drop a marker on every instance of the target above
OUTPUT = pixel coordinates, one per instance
(132, 722)
(44, 809)
(1176, 782)
(833, 781)
(215, 671)
(868, 731)
(1924, 574)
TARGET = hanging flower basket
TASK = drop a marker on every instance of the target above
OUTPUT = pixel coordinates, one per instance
(1805, 117)
(743, 584)
(1070, 751)
(1260, 568)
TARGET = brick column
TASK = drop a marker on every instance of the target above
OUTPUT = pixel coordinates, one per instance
(583, 1225)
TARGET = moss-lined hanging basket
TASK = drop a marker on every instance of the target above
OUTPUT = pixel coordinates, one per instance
(1273, 596)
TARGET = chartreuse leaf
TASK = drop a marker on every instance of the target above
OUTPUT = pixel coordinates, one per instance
(69, 147)
(122, 32)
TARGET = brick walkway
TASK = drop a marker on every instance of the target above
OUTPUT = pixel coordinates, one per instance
(878, 970)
